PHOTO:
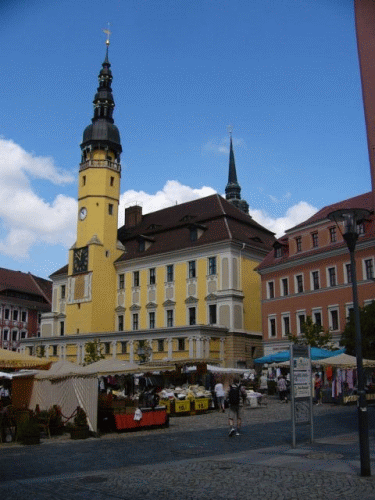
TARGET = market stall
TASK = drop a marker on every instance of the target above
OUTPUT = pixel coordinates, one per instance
(340, 378)
(119, 405)
(67, 385)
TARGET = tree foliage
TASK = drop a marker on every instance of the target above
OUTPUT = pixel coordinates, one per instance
(94, 352)
(40, 351)
(367, 321)
(313, 335)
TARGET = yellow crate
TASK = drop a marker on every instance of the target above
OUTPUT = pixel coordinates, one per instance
(166, 403)
(201, 404)
(182, 406)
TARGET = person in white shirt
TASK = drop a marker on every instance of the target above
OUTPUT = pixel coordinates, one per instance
(220, 395)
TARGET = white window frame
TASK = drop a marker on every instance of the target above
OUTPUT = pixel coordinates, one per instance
(268, 289)
(188, 314)
(22, 312)
(348, 307)
(149, 320)
(282, 286)
(209, 315)
(364, 274)
(298, 322)
(317, 310)
(345, 272)
(283, 316)
(269, 319)
(330, 310)
(167, 311)
(328, 277)
(118, 322)
(296, 283)
(312, 280)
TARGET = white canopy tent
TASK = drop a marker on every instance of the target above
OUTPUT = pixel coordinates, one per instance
(68, 386)
(344, 361)
(111, 367)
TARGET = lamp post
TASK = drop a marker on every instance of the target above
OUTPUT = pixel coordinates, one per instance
(351, 218)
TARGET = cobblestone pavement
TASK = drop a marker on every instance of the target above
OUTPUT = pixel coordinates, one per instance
(185, 463)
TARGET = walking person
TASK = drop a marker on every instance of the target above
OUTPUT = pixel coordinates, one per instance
(318, 388)
(234, 397)
(220, 396)
(282, 388)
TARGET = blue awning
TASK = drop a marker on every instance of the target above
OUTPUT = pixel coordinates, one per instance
(279, 357)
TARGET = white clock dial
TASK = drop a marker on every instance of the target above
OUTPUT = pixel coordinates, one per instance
(83, 213)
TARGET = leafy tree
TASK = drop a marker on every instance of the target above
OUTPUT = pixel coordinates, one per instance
(367, 321)
(313, 335)
(144, 351)
(94, 352)
(40, 351)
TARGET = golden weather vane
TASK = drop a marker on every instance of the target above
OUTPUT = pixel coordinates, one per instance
(107, 32)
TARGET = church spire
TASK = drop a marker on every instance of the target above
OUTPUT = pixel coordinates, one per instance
(233, 189)
(103, 133)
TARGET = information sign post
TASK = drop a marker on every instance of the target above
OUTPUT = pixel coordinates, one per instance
(301, 385)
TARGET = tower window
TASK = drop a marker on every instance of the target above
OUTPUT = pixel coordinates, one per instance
(110, 209)
(83, 180)
(112, 181)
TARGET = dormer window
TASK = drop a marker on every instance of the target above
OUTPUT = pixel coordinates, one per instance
(142, 245)
(299, 243)
(193, 234)
(315, 240)
(278, 251)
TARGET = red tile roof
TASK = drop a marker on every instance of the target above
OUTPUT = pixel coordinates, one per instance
(25, 283)
(361, 201)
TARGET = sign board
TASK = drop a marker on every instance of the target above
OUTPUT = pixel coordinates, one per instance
(301, 388)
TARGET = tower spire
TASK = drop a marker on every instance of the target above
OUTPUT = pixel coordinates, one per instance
(102, 133)
(233, 189)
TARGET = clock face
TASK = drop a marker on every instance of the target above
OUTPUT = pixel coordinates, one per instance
(80, 260)
(83, 213)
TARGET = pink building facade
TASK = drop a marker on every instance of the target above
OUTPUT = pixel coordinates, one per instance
(308, 274)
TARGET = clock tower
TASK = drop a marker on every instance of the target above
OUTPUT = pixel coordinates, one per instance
(91, 272)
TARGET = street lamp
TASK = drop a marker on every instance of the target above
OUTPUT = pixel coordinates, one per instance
(351, 218)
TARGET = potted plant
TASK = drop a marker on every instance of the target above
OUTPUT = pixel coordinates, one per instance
(28, 431)
(80, 428)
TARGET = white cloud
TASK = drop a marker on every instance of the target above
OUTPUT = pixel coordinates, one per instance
(26, 218)
(28, 222)
(294, 215)
(173, 192)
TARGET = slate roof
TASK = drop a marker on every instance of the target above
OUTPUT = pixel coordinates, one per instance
(170, 228)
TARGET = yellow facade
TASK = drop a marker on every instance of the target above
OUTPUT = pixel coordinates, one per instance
(92, 295)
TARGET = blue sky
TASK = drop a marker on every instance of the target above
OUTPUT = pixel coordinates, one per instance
(283, 73)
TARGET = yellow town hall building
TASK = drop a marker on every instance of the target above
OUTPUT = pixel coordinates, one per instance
(177, 284)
